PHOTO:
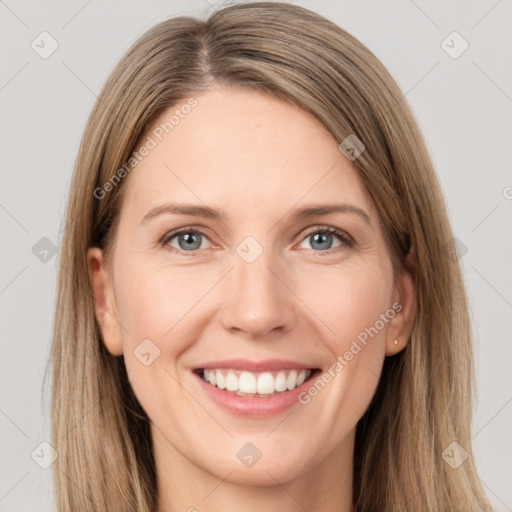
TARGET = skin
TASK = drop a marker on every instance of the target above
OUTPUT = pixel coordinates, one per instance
(240, 151)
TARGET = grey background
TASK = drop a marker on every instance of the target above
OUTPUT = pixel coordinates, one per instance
(463, 107)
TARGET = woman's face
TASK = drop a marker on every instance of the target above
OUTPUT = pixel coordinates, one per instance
(263, 279)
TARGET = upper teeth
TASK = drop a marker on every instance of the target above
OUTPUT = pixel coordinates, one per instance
(264, 383)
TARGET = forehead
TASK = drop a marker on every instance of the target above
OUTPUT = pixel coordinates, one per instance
(241, 149)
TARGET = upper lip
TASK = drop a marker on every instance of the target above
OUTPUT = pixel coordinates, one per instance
(255, 366)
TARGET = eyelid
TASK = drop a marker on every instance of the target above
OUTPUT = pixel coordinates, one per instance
(186, 229)
(346, 239)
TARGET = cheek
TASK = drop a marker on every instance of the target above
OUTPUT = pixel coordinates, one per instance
(352, 302)
(349, 302)
(158, 303)
(155, 305)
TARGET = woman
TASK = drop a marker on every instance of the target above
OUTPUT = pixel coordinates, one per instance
(209, 351)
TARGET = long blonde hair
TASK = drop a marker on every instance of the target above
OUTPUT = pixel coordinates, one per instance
(423, 402)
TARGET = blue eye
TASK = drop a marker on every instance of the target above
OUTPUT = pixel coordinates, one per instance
(188, 239)
(321, 239)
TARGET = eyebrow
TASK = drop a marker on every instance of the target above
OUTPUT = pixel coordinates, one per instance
(211, 213)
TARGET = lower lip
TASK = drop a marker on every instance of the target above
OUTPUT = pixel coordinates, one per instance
(255, 406)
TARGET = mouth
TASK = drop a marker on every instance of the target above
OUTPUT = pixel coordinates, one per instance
(255, 389)
(263, 384)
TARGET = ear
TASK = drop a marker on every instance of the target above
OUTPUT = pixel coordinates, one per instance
(104, 302)
(404, 304)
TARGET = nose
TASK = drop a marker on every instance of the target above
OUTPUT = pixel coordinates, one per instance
(259, 302)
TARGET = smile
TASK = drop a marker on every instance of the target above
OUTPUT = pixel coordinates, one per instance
(255, 389)
(255, 384)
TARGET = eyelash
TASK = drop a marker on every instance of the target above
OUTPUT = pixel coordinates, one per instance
(346, 240)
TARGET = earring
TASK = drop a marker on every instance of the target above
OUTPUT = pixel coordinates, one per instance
(396, 342)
